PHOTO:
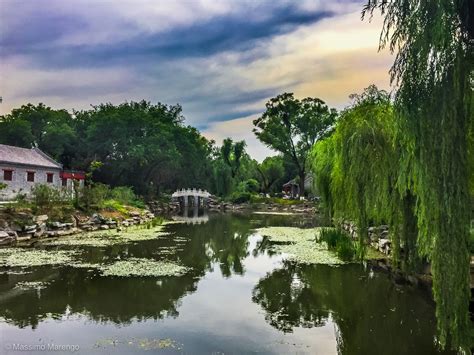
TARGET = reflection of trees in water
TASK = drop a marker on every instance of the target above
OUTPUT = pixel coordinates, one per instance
(288, 302)
(103, 299)
(372, 314)
(222, 241)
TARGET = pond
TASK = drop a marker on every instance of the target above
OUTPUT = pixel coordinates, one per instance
(236, 296)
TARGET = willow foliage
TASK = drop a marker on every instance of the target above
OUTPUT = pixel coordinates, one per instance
(363, 166)
(433, 41)
(322, 163)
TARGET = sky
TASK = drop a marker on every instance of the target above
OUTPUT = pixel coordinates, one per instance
(220, 60)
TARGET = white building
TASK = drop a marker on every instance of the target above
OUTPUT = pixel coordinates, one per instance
(23, 168)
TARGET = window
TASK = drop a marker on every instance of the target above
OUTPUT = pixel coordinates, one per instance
(30, 176)
(49, 177)
(8, 175)
(64, 182)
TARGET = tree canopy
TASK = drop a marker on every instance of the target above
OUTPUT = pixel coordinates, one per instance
(291, 127)
(433, 69)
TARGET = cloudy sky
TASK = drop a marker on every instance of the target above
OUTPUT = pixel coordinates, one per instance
(221, 60)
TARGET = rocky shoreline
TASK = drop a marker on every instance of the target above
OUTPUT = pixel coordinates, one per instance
(22, 226)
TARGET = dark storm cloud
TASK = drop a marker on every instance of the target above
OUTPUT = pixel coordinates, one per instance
(38, 37)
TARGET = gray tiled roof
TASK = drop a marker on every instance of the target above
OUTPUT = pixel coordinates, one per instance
(24, 156)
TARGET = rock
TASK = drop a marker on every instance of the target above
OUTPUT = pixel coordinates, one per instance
(412, 279)
(97, 218)
(40, 230)
(111, 222)
(383, 245)
(68, 225)
(41, 218)
(125, 224)
(119, 229)
(57, 225)
(30, 229)
(7, 241)
(4, 234)
(12, 234)
(134, 213)
(104, 226)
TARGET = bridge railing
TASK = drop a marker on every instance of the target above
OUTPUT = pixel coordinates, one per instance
(191, 192)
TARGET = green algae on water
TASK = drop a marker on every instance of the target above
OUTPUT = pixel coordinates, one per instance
(300, 245)
(30, 258)
(110, 237)
(143, 267)
(289, 234)
(31, 285)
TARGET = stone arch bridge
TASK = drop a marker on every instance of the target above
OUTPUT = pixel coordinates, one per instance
(191, 197)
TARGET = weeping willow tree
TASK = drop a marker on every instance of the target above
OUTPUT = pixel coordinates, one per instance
(322, 164)
(363, 171)
(433, 71)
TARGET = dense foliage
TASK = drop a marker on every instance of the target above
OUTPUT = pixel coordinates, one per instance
(433, 68)
(291, 127)
(354, 167)
(138, 144)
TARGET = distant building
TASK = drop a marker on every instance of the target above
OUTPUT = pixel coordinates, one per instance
(292, 187)
(23, 168)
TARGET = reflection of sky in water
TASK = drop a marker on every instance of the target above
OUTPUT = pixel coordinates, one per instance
(240, 298)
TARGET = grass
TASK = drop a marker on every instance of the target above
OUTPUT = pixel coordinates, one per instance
(276, 200)
(339, 242)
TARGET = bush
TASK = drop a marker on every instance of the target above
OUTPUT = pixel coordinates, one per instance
(100, 196)
(250, 185)
(50, 201)
(45, 197)
(114, 205)
(339, 242)
(240, 197)
(92, 197)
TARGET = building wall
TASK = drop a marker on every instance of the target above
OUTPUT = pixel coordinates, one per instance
(19, 184)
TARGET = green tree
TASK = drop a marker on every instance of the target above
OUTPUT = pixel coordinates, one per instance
(271, 170)
(434, 71)
(50, 130)
(232, 154)
(291, 126)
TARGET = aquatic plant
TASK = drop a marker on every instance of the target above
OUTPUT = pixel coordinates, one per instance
(288, 234)
(110, 237)
(300, 245)
(338, 241)
(31, 285)
(143, 267)
(29, 258)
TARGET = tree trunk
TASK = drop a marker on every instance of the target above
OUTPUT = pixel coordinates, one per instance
(302, 175)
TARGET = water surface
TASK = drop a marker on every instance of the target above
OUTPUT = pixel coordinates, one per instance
(240, 297)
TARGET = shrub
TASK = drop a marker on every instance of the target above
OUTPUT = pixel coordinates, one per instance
(240, 197)
(92, 197)
(339, 242)
(50, 201)
(123, 194)
(114, 205)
